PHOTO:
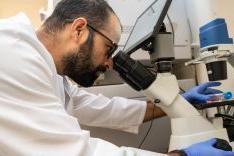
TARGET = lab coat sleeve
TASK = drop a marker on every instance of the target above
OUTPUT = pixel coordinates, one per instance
(97, 110)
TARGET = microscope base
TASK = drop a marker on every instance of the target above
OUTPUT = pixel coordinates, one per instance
(187, 131)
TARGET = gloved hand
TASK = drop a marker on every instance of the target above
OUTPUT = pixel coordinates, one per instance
(201, 93)
(206, 149)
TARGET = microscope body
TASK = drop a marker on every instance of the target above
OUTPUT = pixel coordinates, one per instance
(187, 125)
(182, 114)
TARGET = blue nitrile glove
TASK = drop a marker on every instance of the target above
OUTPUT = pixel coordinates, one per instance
(201, 93)
(206, 149)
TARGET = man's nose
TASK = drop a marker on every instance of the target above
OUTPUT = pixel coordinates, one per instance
(109, 64)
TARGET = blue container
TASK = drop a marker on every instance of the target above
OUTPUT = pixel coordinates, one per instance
(215, 32)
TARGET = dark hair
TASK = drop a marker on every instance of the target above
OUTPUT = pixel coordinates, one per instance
(96, 12)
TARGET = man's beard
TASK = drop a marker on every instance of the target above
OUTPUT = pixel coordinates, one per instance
(79, 65)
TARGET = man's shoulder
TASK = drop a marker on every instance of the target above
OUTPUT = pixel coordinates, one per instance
(17, 23)
(23, 57)
(19, 40)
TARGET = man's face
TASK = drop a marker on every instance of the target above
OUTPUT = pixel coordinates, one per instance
(79, 65)
(84, 64)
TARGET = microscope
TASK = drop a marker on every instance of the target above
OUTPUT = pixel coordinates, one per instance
(188, 126)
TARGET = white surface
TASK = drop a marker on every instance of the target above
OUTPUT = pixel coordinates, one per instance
(177, 13)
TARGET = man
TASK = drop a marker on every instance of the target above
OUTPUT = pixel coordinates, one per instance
(77, 40)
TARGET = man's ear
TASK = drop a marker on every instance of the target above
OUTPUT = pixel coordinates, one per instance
(78, 25)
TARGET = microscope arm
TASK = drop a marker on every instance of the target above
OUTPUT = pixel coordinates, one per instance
(165, 88)
(162, 86)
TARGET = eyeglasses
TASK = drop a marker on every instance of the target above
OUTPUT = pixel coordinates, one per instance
(114, 46)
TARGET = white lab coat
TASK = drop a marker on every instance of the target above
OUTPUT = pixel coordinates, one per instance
(37, 118)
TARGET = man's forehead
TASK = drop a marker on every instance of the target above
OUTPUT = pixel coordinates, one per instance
(113, 29)
(115, 34)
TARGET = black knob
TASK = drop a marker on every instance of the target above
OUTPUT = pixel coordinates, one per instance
(223, 145)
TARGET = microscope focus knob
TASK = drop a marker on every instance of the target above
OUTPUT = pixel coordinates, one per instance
(223, 145)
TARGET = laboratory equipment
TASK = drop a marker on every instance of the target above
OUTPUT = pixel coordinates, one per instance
(220, 97)
(216, 49)
(162, 87)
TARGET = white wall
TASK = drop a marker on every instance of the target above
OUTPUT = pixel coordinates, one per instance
(10, 8)
(224, 8)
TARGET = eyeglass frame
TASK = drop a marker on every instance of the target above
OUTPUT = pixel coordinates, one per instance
(114, 45)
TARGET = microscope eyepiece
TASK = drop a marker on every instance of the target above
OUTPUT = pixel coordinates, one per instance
(132, 71)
